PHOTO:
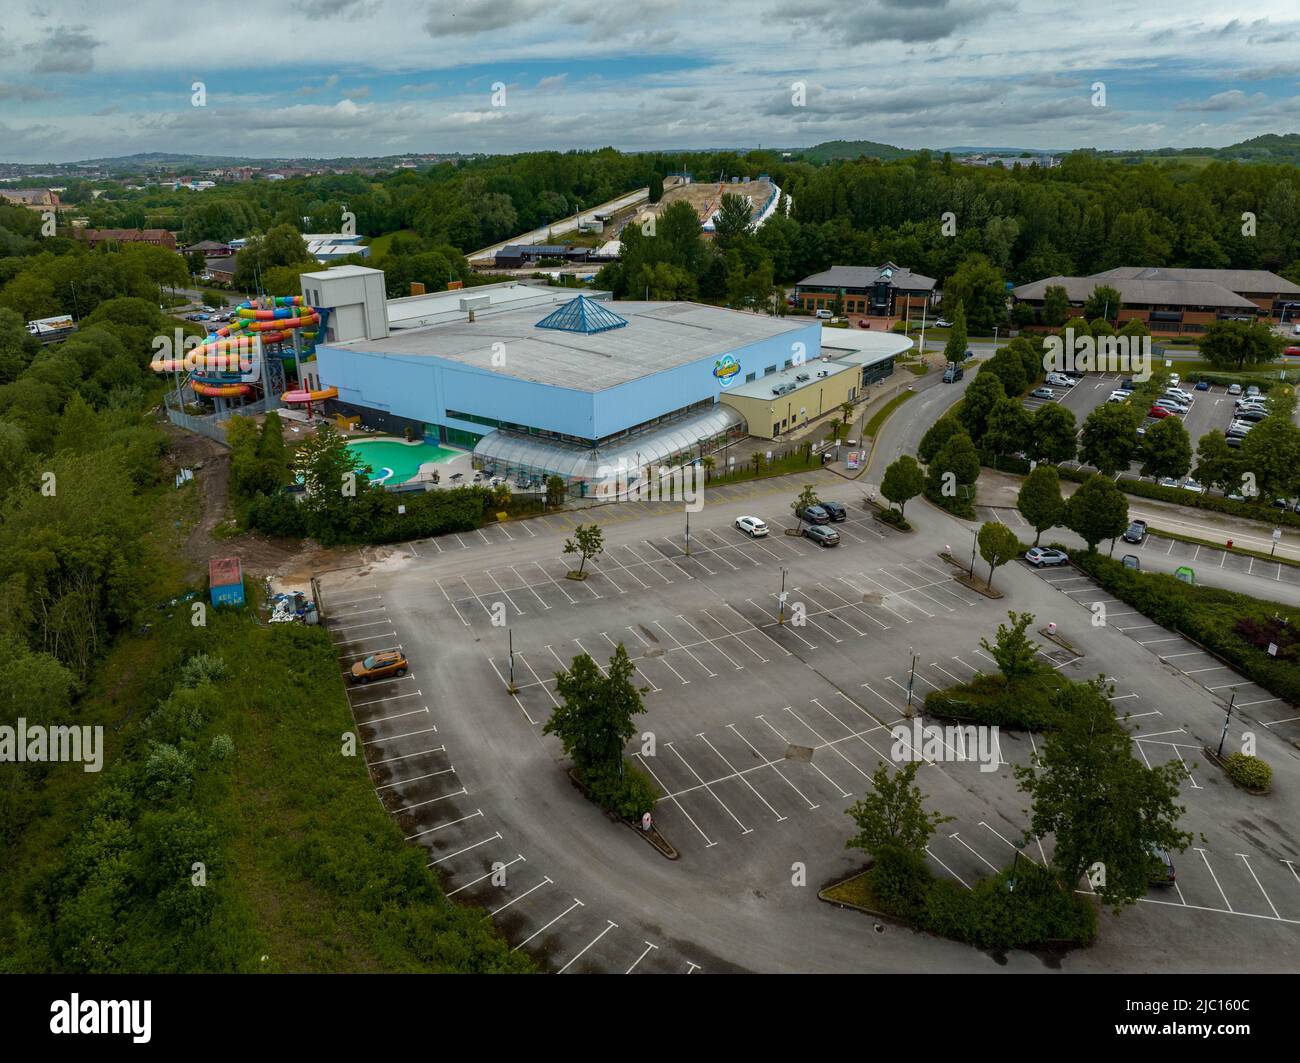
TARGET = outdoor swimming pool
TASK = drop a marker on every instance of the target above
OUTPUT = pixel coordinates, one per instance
(394, 461)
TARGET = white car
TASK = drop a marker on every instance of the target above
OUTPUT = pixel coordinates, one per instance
(1120, 396)
(1061, 380)
(1234, 389)
(1174, 380)
(1192, 485)
(752, 526)
(1169, 402)
(1178, 393)
(943, 322)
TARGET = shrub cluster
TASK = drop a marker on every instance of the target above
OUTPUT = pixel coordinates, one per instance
(992, 700)
(1249, 772)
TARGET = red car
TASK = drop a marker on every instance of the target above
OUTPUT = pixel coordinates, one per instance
(1294, 351)
(1159, 411)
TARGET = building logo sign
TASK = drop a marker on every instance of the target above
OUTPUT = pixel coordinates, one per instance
(726, 369)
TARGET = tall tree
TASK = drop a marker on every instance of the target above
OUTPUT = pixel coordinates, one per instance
(903, 481)
(1109, 438)
(1052, 435)
(1238, 344)
(1101, 804)
(1040, 501)
(1166, 449)
(998, 545)
(1097, 510)
(893, 815)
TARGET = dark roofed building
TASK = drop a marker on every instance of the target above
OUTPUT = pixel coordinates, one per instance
(157, 237)
(517, 256)
(880, 291)
(209, 249)
(1172, 300)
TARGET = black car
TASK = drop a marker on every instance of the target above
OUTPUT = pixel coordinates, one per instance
(1250, 415)
(1136, 532)
(836, 511)
(1076, 374)
(814, 515)
(1234, 441)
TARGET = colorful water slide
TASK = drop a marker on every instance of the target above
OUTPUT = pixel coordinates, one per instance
(296, 398)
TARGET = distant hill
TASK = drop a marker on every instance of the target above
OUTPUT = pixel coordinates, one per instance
(1271, 148)
(851, 149)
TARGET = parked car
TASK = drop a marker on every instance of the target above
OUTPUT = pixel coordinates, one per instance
(1252, 391)
(1177, 405)
(1126, 385)
(1119, 396)
(1292, 351)
(1168, 481)
(1038, 556)
(1234, 389)
(943, 322)
(1194, 486)
(1060, 380)
(1162, 868)
(754, 527)
(1179, 393)
(379, 666)
(822, 535)
(1238, 431)
(1130, 561)
(825, 315)
(1159, 411)
(953, 373)
(1136, 532)
(1233, 441)
(1202, 385)
(814, 515)
(1174, 380)
(1251, 415)
(1074, 374)
(1042, 393)
(837, 512)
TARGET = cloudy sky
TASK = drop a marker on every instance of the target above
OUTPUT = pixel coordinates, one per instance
(82, 79)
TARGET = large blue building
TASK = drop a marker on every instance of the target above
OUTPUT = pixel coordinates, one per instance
(539, 380)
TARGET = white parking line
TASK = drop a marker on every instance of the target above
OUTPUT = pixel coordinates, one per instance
(732, 768)
(669, 795)
(648, 947)
(576, 904)
(408, 756)
(743, 829)
(593, 941)
(474, 882)
(458, 852)
(546, 881)
(1215, 877)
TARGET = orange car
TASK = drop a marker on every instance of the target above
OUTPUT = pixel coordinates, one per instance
(379, 666)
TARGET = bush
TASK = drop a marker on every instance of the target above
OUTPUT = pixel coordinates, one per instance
(1020, 907)
(1249, 772)
(895, 519)
(1207, 615)
(279, 514)
(628, 796)
(900, 882)
(222, 747)
(990, 700)
(202, 669)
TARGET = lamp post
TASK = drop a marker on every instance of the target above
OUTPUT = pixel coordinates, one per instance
(911, 680)
(1226, 718)
(512, 689)
(781, 599)
(974, 542)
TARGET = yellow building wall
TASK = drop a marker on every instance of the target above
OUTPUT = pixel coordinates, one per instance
(820, 398)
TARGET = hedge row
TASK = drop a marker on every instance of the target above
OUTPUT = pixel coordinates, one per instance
(1020, 907)
(991, 700)
(1260, 511)
(1207, 615)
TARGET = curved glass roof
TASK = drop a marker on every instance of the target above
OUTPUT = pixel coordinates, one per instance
(656, 446)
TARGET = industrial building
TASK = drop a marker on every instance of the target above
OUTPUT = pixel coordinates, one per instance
(541, 380)
(1177, 301)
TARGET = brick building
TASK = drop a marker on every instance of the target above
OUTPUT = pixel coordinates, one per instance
(878, 291)
(157, 237)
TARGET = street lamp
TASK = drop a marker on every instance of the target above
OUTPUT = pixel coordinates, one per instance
(781, 599)
(1226, 718)
(911, 680)
(975, 538)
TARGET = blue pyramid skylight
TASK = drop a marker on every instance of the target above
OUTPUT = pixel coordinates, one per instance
(582, 315)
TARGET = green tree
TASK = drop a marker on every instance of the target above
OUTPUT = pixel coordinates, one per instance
(1040, 501)
(588, 541)
(807, 497)
(936, 436)
(955, 349)
(903, 481)
(1097, 510)
(1238, 344)
(953, 472)
(998, 545)
(556, 491)
(892, 815)
(1014, 651)
(1109, 438)
(733, 219)
(1166, 449)
(1217, 464)
(1101, 804)
(978, 285)
(1056, 306)
(594, 719)
(1102, 304)
(1008, 428)
(1271, 451)
(1052, 434)
(1009, 367)
(982, 397)
(333, 484)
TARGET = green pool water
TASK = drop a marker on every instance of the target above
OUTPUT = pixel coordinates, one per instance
(396, 462)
